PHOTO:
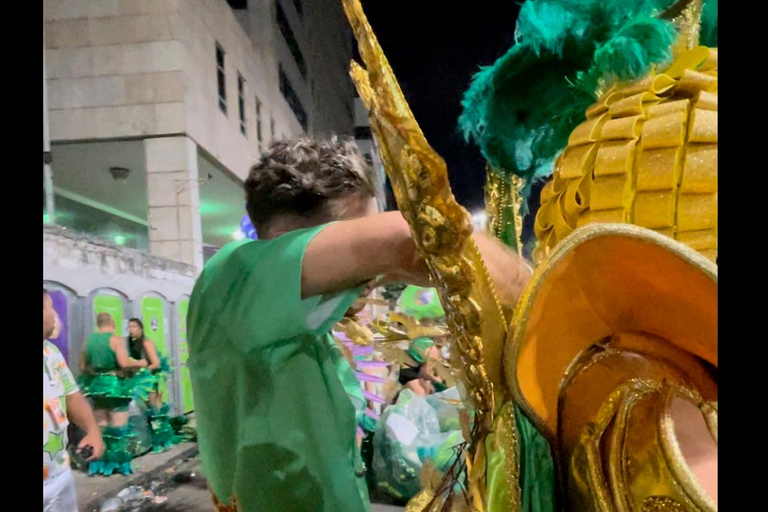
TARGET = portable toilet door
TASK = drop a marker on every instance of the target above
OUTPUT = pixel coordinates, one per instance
(107, 300)
(70, 336)
(154, 311)
(187, 402)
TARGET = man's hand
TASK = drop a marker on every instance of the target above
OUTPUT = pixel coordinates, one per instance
(80, 413)
(427, 386)
(94, 440)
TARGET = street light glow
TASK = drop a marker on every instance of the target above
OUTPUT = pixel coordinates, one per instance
(480, 220)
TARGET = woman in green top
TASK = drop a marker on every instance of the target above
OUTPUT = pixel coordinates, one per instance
(276, 429)
(146, 386)
(146, 380)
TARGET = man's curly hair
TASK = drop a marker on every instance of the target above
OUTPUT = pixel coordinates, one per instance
(302, 176)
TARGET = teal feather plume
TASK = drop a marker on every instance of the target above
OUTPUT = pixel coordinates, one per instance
(708, 35)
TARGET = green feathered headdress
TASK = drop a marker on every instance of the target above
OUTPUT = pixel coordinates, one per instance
(521, 110)
(418, 349)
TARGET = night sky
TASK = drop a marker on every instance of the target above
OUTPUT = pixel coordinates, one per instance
(434, 50)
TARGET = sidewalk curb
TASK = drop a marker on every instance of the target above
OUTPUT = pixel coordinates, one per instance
(140, 479)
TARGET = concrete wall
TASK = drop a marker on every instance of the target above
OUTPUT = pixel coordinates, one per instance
(141, 68)
(281, 55)
(85, 263)
(325, 39)
(329, 55)
(115, 68)
(147, 70)
(83, 266)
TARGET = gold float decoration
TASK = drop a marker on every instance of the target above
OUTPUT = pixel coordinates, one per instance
(442, 231)
(646, 155)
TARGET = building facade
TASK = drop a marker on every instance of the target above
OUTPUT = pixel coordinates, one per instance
(157, 109)
(153, 113)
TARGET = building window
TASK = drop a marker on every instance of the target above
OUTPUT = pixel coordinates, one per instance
(272, 128)
(221, 77)
(299, 8)
(290, 40)
(259, 135)
(238, 4)
(292, 98)
(81, 215)
(363, 133)
(241, 102)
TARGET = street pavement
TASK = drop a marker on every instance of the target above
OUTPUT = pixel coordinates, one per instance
(168, 482)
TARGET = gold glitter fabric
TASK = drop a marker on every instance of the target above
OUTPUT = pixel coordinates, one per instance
(614, 358)
(646, 155)
(503, 203)
(442, 232)
(629, 458)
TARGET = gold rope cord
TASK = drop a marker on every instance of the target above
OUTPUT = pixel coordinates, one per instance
(503, 203)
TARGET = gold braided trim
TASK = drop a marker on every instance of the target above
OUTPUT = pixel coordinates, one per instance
(503, 203)
(441, 229)
(440, 226)
(231, 506)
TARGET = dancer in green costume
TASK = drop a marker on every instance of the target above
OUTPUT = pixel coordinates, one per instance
(146, 386)
(104, 361)
(275, 427)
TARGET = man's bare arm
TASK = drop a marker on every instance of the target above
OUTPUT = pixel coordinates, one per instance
(508, 270)
(121, 353)
(348, 253)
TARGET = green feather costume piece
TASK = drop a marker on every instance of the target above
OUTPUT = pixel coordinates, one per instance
(117, 455)
(107, 391)
(163, 434)
(144, 384)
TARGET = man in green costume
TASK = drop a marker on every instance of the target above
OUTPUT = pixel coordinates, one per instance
(104, 360)
(276, 428)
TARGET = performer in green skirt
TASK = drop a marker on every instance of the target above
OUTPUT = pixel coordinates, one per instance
(147, 386)
(104, 380)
